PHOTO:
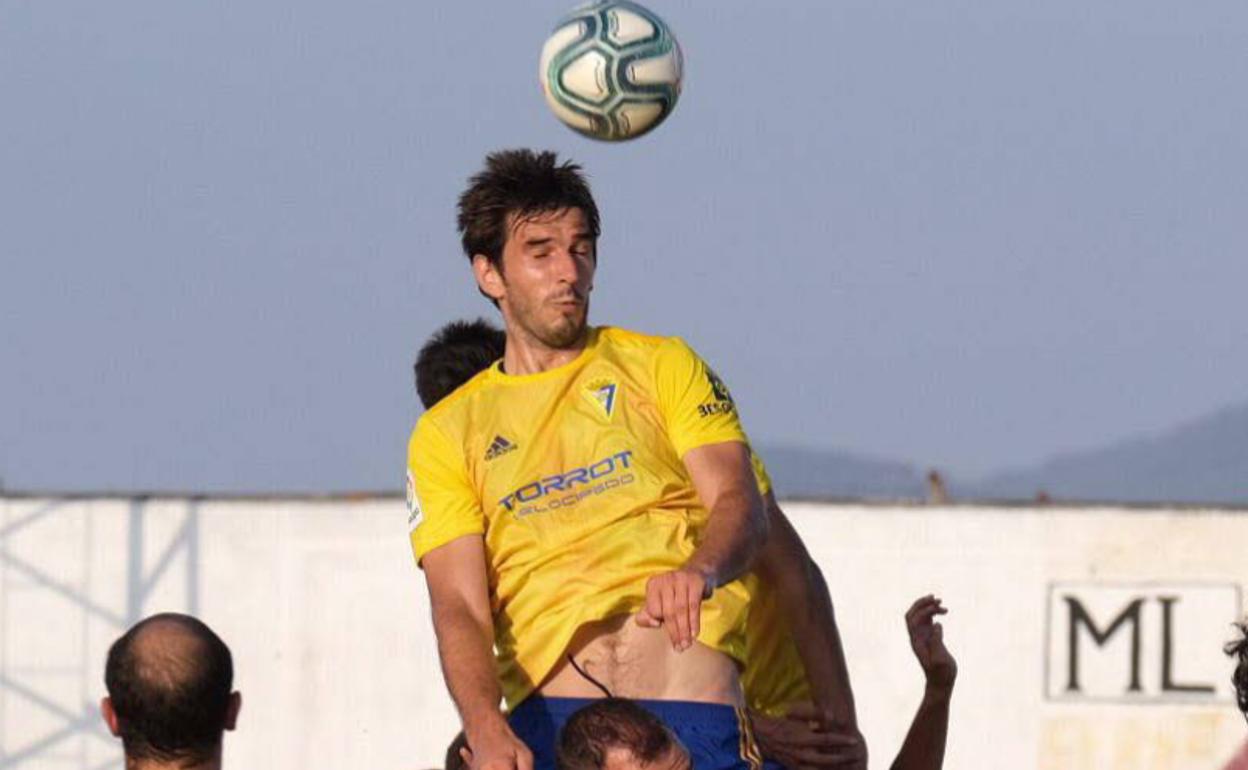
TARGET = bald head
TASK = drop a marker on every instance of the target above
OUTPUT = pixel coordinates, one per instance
(169, 680)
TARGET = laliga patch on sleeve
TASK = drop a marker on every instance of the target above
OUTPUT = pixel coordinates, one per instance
(413, 505)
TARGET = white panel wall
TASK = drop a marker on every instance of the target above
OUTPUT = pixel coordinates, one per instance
(328, 620)
(998, 570)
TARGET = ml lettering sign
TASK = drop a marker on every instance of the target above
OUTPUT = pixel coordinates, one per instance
(1139, 643)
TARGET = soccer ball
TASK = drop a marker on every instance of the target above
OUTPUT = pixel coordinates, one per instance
(611, 70)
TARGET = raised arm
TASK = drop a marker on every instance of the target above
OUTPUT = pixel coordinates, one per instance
(734, 535)
(797, 583)
(924, 748)
(459, 595)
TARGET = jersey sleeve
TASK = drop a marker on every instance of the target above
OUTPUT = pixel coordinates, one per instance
(694, 401)
(441, 503)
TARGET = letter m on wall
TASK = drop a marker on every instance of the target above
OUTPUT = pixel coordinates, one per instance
(1078, 620)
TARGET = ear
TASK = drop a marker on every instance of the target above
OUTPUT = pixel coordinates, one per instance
(231, 711)
(489, 277)
(110, 716)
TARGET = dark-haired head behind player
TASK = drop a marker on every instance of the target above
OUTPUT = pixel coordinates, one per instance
(455, 354)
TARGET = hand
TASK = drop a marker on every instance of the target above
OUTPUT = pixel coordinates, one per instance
(800, 740)
(674, 601)
(927, 641)
(497, 748)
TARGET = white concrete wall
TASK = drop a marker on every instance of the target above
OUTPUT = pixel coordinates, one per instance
(328, 620)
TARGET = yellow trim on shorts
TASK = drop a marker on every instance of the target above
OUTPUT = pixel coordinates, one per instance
(748, 747)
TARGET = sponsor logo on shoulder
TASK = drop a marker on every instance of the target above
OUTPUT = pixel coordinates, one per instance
(413, 505)
(498, 447)
(722, 403)
(602, 393)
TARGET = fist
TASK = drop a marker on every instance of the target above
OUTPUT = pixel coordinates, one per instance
(674, 602)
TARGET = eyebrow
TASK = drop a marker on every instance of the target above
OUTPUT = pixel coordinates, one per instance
(576, 238)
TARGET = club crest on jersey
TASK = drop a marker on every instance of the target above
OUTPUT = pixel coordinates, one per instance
(498, 447)
(603, 394)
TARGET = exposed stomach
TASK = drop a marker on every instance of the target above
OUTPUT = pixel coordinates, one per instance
(640, 663)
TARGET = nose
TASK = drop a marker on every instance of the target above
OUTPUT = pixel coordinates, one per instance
(571, 269)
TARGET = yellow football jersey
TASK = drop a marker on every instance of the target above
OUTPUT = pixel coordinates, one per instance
(774, 676)
(574, 478)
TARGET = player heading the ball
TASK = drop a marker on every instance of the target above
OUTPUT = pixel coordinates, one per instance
(582, 519)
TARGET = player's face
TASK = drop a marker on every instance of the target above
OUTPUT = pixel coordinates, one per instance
(548, 271)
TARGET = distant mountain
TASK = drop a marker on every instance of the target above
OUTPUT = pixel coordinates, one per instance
(1204, 461)
(829, 473)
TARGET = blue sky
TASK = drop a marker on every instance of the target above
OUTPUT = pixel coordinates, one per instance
(970, 236)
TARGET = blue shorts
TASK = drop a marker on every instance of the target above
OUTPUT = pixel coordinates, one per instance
(717, 737)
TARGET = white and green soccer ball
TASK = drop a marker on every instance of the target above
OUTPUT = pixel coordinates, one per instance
(611, 70)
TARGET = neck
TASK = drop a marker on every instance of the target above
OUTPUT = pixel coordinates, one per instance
(524, 355)
(212, 763)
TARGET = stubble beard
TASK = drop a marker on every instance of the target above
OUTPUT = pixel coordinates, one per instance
(565, 332)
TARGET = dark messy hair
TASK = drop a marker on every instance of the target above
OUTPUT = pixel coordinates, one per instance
(516, 184)
(610, 723)
(1239, 649)
(171, 705)
(455, 354)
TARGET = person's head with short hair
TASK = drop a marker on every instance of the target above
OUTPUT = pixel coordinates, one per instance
(1239, 649)
(618, 734)
(169, 681)
(455, 354)
(530, 227)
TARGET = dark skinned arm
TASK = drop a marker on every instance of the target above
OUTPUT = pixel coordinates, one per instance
(924, 747)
